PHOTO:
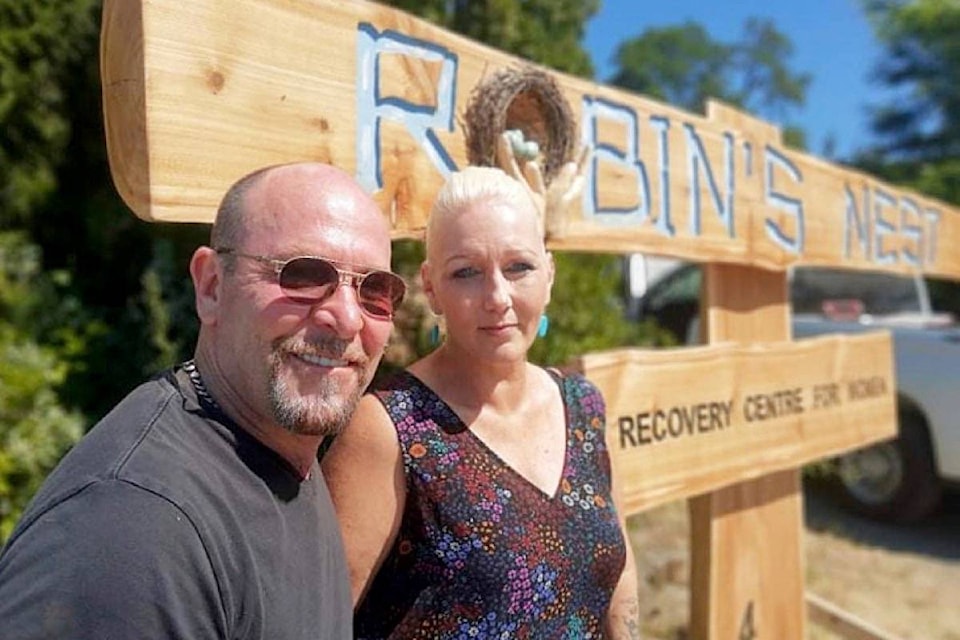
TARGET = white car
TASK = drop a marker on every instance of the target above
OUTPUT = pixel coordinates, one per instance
(901, 479)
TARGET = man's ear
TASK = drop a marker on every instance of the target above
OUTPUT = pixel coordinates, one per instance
(428, 290)
(205, 270)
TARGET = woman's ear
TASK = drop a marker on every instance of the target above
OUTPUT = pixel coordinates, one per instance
(205, 270)
(552, 272)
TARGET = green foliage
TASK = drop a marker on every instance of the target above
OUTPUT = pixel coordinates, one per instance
(165, 309)
(38, 43)
(922, 65)
(940, 179)
(414, 320)
(36, 346)
(763, 83)
(128, 278)
(35, 429)
(152, 324)
(680, 65)
(127, 281)
(683, 66)
(547, 32)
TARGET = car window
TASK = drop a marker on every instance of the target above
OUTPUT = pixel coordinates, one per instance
(877, 293)
(681, 286)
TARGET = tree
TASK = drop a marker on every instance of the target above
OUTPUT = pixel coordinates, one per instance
(37, 45)
(922, 66)
(547, 32)
(683, 66)
(91, 298)
(919, 129)
(35, 427)
(126, 274)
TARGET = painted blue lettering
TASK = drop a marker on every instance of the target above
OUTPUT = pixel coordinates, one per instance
(884, 216)
(747, 158)
(696, 158)
(594, 111)
(420, 120)
(793, 207)
(882, 227)
(853, 222)
(910, 221)
(933, 219)
(662, 125)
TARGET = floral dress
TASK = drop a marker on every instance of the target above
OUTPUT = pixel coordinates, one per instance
(481, 551)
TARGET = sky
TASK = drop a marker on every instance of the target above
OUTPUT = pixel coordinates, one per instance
(831, 38)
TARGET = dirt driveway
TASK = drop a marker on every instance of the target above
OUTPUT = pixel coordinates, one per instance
(904, 580)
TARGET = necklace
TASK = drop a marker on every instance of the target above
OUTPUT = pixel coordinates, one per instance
(190, 366)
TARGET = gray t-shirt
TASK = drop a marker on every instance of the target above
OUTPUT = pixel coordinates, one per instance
(169, 521)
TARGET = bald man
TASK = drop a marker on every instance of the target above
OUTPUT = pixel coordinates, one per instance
(196, 508)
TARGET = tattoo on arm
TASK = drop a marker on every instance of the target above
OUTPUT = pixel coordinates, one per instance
(632, 626)
(625, 625)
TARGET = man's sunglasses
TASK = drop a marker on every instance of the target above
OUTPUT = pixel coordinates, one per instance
(309, 279)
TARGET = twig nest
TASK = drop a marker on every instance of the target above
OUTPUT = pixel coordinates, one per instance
(528, 104)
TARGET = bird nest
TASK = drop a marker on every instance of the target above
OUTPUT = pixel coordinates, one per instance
(525, 99)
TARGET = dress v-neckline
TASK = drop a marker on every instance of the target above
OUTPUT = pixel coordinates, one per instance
(486, 447)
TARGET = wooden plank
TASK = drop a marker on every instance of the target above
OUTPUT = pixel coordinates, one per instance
(747, 569)
(745, 585)
(198, 93)
(682, 422)
(843, 623)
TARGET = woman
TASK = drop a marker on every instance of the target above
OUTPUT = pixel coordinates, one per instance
(473, 489)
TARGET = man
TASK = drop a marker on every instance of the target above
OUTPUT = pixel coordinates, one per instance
(196, 508)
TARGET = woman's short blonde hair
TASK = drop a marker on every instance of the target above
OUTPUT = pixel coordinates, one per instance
(478, 184)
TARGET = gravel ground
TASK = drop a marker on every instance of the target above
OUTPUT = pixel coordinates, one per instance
(904, 580)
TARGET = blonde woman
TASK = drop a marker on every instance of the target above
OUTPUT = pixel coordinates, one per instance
(474, 488)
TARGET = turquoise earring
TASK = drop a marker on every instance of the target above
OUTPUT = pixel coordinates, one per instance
(434, 335)
(543, 326)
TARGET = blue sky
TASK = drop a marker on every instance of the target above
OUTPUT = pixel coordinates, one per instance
(832, 42)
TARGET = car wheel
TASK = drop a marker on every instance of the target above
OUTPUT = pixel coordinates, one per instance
(894, 481)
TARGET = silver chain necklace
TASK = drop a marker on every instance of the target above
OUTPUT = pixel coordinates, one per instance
(190, 366)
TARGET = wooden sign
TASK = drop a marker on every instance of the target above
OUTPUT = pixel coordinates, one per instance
(753, 410)
(197, 94)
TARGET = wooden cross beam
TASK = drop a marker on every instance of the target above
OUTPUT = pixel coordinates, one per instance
(684, 422)
(197, 94)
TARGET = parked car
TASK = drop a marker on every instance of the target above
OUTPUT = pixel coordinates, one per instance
(897, 480)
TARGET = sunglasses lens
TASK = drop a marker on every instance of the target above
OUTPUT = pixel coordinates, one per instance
(381, 292)
(310, 279)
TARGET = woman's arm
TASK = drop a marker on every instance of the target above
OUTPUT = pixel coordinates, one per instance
(364, 471)
(623, 618)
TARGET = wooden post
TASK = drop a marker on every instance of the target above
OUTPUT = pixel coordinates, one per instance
(746, 537)
(746, 547)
